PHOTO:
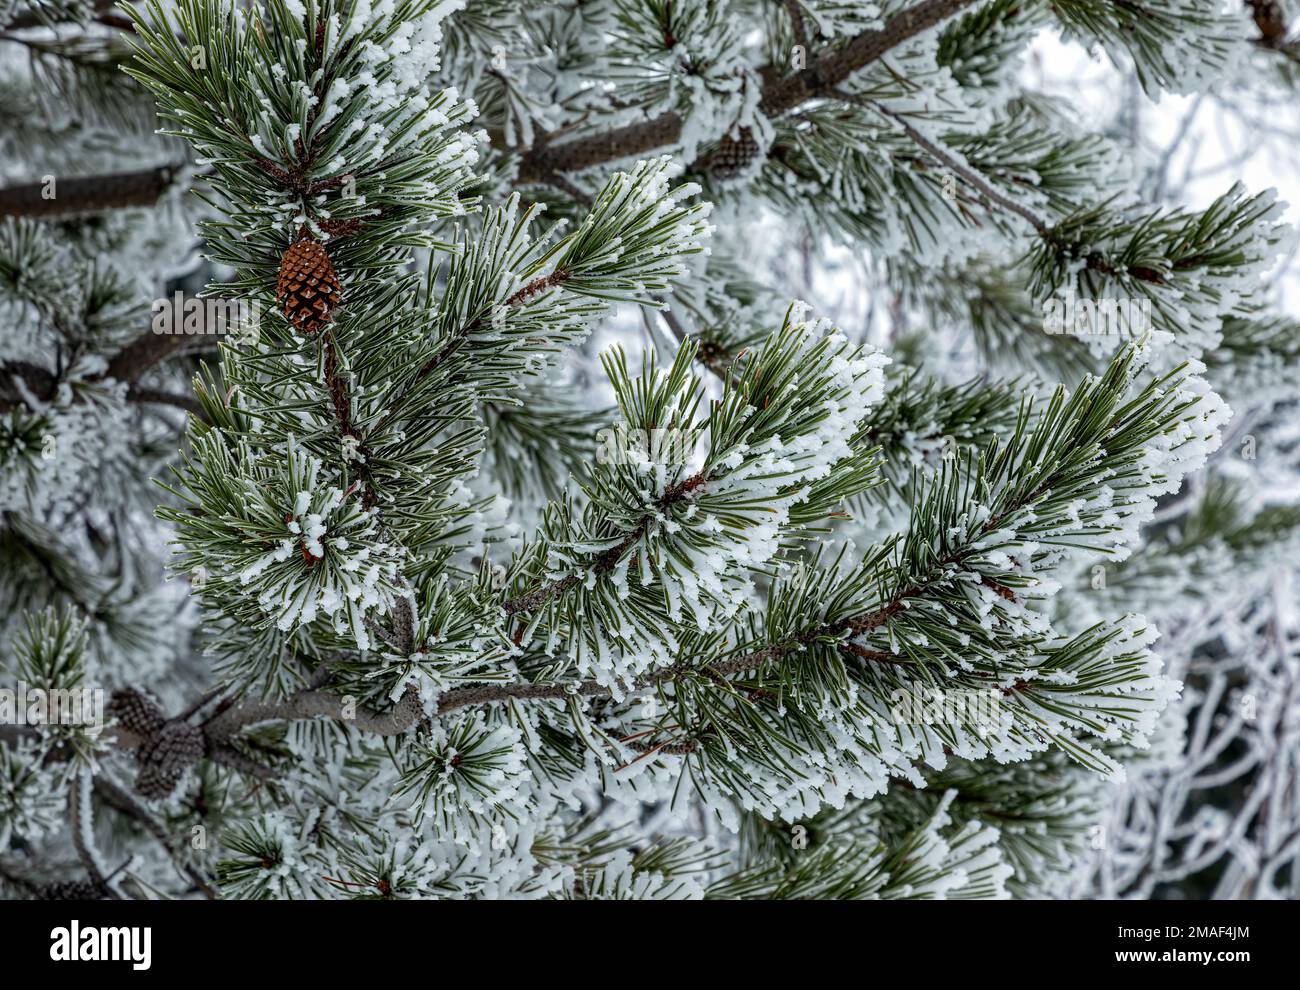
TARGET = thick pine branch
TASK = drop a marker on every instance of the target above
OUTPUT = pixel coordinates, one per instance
(781, 94)
(42, 18)
(88, 194)
(128, 365)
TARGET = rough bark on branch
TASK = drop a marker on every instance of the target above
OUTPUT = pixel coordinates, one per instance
(316, 704)
(88, 194)
(782, 92)
(126, 366)
(33, 18)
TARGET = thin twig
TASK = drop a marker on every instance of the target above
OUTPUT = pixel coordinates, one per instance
(81, 816)
(122, 799)
(972, 178)
(608, 559)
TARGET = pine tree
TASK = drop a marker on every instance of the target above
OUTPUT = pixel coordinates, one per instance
(529, 538)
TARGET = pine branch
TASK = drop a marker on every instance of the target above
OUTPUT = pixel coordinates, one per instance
(449, 350)
(781, 94)
(797, 25)
(142, 354)
(80, 815)
(451, 347)
(972, 178)
(605, 561)
(831, 69)
(122, 799)
(89, 194)
(312, 704)
(538, 286)
(39, 381)
(316, 704)
(712, 359)
(128, 365)
(486, 694)
(157, 397)
(33, 18)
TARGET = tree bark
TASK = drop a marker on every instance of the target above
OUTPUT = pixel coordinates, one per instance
(88, 194)
(782, 92)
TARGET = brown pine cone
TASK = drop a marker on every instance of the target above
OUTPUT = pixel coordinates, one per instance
(308, 287)
(166, 757)
(135, 713)
(1270, 21)
(733, 155)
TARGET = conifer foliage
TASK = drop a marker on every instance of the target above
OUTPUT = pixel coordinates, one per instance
(533, 540)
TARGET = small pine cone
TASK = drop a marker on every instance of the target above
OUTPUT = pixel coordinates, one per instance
(135, 713)
(733, 156)
(164, 760)
(1270, 20)
(308, 287)
(71, 890)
